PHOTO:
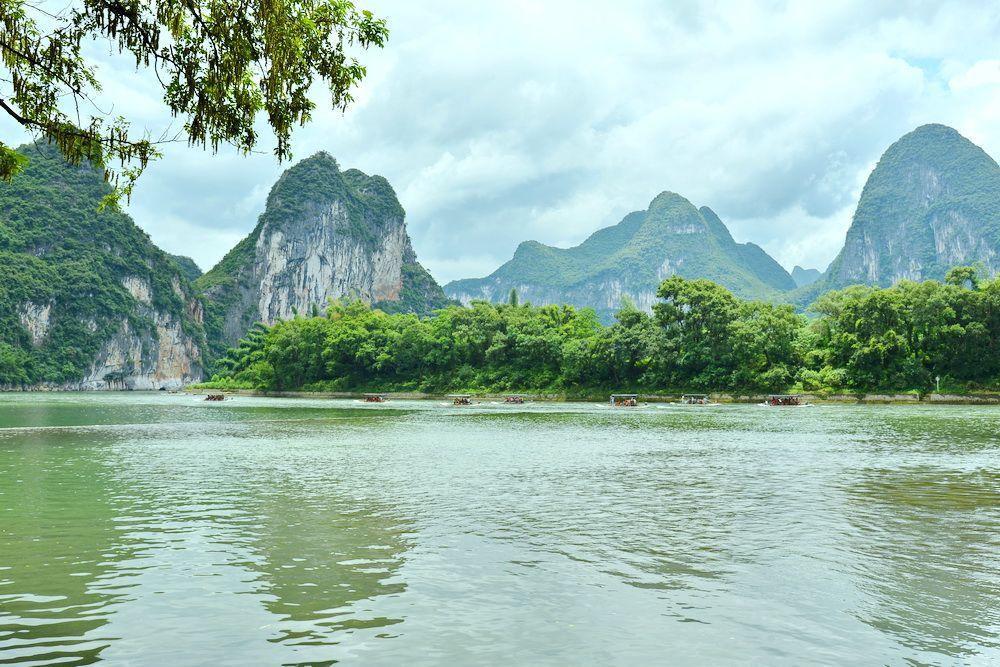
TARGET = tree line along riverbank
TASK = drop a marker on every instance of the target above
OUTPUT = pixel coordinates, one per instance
(913, 398)
(912, 338)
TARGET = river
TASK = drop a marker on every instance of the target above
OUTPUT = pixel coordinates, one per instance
(156, 529)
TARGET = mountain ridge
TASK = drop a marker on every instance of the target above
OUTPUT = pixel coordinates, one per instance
(804, 277)
(629, 259)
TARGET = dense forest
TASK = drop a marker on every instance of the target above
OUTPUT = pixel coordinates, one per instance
(699, 337)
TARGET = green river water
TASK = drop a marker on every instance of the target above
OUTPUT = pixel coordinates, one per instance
(155, 529)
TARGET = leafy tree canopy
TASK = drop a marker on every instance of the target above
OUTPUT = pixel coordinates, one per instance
(699, 337)
(220, 62)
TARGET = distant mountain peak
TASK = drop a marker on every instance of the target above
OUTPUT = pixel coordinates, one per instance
(319, 156)
(938, 130)
(931, 203)
(803, 277)
(667, 199)
(630, 259)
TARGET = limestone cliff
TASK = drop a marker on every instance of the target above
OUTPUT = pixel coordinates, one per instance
(629, 260)
(324, 234)
(156, 353)
(931, 203)
(87, 301)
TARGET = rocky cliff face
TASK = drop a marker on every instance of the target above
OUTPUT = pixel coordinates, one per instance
(88, 301)
(304, 264)
(151, 347)
(629, 260)
(325, 234)
(156, 354)
(932, 203)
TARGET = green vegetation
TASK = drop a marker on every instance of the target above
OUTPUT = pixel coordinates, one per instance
(905, 336)
(671, 235)
(222, 65)
(933, 201)
(700, 337)
(420, 293)
(186, 266)
(301, 198)
(64, 257)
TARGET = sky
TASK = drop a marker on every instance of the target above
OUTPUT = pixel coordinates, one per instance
(498, 122)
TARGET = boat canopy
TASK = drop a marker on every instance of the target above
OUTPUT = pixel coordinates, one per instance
(625, 400)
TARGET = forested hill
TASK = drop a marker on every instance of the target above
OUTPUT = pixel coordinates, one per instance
(931, 203)
(86, 299)
(324, 233)
(628, 260)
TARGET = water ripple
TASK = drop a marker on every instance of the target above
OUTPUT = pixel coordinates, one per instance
(156, 529)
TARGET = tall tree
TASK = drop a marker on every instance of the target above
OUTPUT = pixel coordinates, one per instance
(696, 316)
(220, 63)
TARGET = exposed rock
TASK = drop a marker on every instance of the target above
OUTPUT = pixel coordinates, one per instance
(88, 302)
(301, 265)
(35, 318)
(139, 289)
(325, 234)
(931, 203)
(629, 260)
(132, 359)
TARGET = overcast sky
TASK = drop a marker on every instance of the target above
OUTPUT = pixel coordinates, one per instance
(498, 122)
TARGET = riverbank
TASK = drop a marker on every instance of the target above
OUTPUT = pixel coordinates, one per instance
(983, 398)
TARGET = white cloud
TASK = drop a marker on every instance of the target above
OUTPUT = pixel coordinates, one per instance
(982, 73)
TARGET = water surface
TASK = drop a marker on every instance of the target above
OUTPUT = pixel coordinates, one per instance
(159, 529)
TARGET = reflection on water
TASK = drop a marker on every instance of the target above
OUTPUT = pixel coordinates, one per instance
(155, 529)
(927, 543)
(59, 546)
(320, 562)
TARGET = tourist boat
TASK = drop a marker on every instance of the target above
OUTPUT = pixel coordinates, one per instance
(624, 400)
(514, 399)
(215, 397)
(460, 399)
(785, 401)
(375, 398)
(695, 399)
